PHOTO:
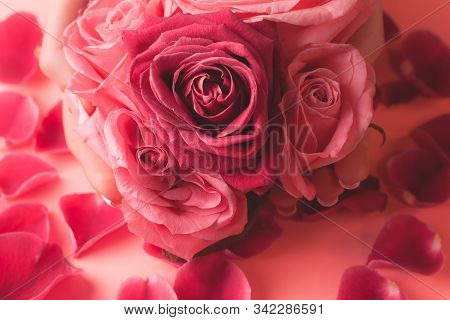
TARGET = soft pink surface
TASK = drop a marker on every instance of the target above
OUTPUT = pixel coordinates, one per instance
(309, 257)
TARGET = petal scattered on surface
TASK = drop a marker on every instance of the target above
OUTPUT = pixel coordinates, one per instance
(211, 277)
(410, 243)
(20, 173)
(32, 218)
(391, 29)
(29, 267)
(19, 116)
(160, 253)
(20, 36)
(50, 136)
(153, 288)
(89, 218)
(363, 283)
(396, 92)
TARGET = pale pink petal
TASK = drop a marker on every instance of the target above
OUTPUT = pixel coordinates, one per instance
(20, 35)
(153, 288)
(19, 116)
(32, 218)
(50, 136)
(211, 277)
(89, 218)
(363, 283)
(20, 173)
(29, 267)
(410, 243)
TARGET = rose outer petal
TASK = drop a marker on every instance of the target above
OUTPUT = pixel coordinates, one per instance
(19, 116)
(50, 136)
(89, 218)
(410, 243)
(211, 278)
(29, 267)
(363, 283)
(153, 288)
(20, 173)
(20, 35)
(32, 218)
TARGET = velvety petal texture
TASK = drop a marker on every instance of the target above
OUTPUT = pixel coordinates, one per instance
(89, 218)
(50, 136)
(31, 218)
(20, 36)
(153, 288)
(410, 243)
(20, 173)
(19, 117)
(364, 283)
(211, 278)
(29, 267)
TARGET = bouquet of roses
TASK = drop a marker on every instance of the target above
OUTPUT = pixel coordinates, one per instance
(202, 108)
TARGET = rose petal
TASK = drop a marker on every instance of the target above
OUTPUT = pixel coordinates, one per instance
(29, 267)
(160, 253)
(19, 116)
(363, 283)
(408, 242)
(32, 218)
(153, 288)
(396, 92)
(391, 29)
(89, 218)
(211, 278)
(435, 135)
(50, 136)
(418, 178)
(20, 173)
(19, 37)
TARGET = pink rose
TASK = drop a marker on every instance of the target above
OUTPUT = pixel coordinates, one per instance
(180, 211)
(206, 83)
(300, 21)
(95, 49)
(327, 107)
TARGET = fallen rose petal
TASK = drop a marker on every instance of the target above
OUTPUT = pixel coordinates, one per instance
(50, 136)
(396, 92)
(363, 283)
(19, 116)
(20, 173)
(32, 218)
(160, 253)
(391, 29)
(435, 135)
(30, 268)
(410, 243)
(418, 178)
(20, 36)
(89, 218)
(153, 288)
(211, 278)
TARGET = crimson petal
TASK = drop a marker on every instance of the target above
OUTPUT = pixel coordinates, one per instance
(419, 177)
(395, 92)
(153, 288)
(410, 243)
(435, 135)
(89, 218)
(363, 283)
(29, 267)
(19, 116)
(32, 218)
(391, 29)
(20, 35)
(211, 277)
(160, 253)
(50, 136)
(20, 173)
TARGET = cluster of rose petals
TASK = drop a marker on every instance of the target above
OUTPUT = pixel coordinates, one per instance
(89, 218)
(21, 173)
(19, 117)
(327, 107)
(29, 266)
(206, 278)
(404, 243)
(20, 35)
(421, 177)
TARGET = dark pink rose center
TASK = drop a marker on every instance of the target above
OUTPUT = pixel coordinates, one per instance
(154, 160)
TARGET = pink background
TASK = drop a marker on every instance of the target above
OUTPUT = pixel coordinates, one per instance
(309, 259)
